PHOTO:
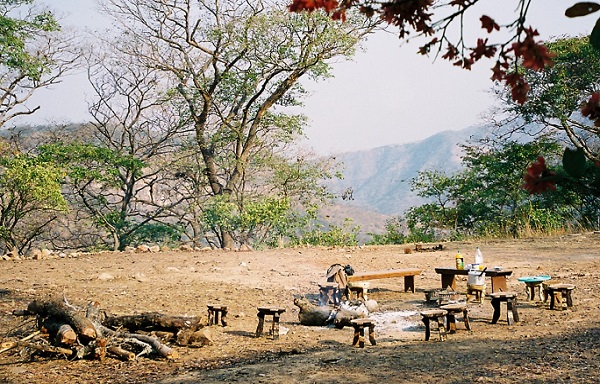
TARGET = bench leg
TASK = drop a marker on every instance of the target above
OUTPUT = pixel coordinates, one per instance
(511, 306)
(409, 284)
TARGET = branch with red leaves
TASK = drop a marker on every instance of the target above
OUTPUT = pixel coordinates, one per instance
(418, 16)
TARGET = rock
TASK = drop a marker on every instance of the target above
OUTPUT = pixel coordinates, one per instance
(371, 305)
(129, 249)
(154, 249)
(142, 249)
(201, 338)
(185, 247)
(36, 254)
(106, 276)
(46, 253)
(246, 248)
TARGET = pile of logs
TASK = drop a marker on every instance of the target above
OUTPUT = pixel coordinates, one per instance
(65, 330)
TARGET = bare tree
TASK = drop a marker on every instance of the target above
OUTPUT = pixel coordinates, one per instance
(233, 63)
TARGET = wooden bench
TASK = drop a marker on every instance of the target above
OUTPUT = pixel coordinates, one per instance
(408, 274)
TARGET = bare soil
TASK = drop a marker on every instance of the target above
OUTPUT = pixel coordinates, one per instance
(546, 346)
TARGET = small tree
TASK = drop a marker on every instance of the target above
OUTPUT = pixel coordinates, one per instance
(30, 199)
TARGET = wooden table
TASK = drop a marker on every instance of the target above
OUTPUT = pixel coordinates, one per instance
(498, 277)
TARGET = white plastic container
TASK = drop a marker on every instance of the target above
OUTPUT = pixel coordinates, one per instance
(478, 256)
(476, 277)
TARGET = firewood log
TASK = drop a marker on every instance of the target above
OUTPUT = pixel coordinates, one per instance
(59, 310)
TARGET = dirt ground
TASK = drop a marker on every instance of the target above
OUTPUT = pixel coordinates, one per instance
(546, 346)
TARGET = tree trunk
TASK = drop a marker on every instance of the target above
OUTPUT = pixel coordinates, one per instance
(227, 241)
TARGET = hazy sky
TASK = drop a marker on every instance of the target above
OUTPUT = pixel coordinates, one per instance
(385, 95)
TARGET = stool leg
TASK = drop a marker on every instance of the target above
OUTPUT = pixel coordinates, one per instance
(427, 328)
(552, 299)
(372, 334)
(569, 298)
(451, 322)
(361, 338)
(223, 318)
(441, 328)
(509, 312)
(466, 319)
(356, 334)
(209, 316)
(496, 315)
(275, 328)
(513, 304)
(261, 321)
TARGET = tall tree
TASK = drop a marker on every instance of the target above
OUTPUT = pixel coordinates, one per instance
(233, 63)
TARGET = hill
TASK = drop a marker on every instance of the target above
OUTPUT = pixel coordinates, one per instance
(380, 177)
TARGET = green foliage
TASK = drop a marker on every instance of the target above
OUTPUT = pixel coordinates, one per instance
(16, 33)
(331, 235)
(487, 198)
(30, 198)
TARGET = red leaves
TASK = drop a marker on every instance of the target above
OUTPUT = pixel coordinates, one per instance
(313, 5)
(591, 108)
(416, 15)
(489, 24)
(538, 178)
(535, 55)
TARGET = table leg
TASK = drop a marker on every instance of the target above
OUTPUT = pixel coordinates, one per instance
(275, 328)
(498, 283)
(261, 322)
(448, 280)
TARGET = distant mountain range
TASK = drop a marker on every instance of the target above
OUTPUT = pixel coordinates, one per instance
(380, 177)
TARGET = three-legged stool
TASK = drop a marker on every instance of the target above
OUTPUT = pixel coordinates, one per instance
(533, 284)
(359, 331)
(510, 298)
(454, 309)
(213, 314)
(359, 288)
(329, 293)
(269, 311)
(438, 315)
(558, 292)
(475, 290)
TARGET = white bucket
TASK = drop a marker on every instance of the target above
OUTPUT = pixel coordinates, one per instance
(476, 277)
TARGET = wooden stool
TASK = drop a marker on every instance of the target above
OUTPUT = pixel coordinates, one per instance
(533, 284)
(329, 293)
(559, 291)
(545, 290)
(453, 309)
(476, 290)
(213, 314)
(270, 311)
(510, 298)
(432, 295)
(359, 288)
(359, 331)
(434, 314)
(448, 296)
